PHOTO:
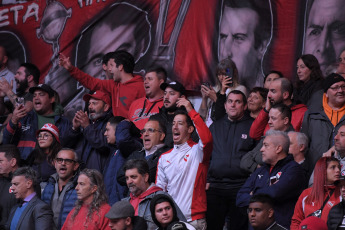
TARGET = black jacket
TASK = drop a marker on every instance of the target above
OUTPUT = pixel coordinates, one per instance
(230, 142)
(162, 198)
(336, 216)
(7, 200)
(152, 161)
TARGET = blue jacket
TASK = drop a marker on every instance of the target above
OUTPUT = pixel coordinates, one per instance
(290, 182)
(93, 149)
(125, 145)
(68, 200)
(24, 133)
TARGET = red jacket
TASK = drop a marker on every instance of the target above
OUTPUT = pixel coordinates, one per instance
(122, 94)
(98, 220)
(140, 118)
(260, 124)
(302, 210)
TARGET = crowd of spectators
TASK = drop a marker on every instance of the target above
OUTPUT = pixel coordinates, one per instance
(139, 156)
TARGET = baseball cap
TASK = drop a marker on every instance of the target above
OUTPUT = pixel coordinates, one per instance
(100, 95)
(120, 209)
(175, 85)
(50, 128)
(44, 87)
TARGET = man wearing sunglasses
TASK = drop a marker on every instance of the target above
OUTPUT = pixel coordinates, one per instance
(60, 191)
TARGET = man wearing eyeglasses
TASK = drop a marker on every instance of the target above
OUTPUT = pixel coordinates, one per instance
(60, 191)
(153, 135)
(325, 116)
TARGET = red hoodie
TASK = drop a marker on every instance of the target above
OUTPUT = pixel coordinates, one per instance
(135, 201)
(122, 94)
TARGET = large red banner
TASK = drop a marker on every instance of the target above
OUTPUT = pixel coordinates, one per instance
(187, 37)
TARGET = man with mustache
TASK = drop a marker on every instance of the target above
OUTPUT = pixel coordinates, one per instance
(27, 76)
(60, 191)
(142, 191)
(92, 147)
(325, 116)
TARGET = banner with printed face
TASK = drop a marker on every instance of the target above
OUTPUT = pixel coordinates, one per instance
(187, 37)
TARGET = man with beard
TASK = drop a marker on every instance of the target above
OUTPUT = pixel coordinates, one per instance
(280, 91)
(60, 191)
(172, 92)
(92, 147)
(21, 129)
(27, 76)
(142, 191)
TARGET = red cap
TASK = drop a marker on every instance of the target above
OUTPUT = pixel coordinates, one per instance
(99, 95)
(50, 128)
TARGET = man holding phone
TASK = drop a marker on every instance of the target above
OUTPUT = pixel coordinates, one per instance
(21, 129)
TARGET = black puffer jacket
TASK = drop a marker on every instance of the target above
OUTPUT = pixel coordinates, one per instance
(336, 216)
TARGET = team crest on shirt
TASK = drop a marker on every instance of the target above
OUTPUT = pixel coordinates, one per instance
(330, 204)
(26, 127)
(186, 157)
(278, 175)
(342, 172)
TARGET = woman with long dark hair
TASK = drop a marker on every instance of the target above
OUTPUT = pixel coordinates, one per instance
(322, 196)
(309, 80)
(43, 156)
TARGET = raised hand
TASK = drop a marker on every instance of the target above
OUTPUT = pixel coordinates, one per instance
(65, 62)
(18, 113)
(184, 102)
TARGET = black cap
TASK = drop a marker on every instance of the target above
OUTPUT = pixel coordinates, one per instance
(175, 85)
(43, 87)
(332, 79)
